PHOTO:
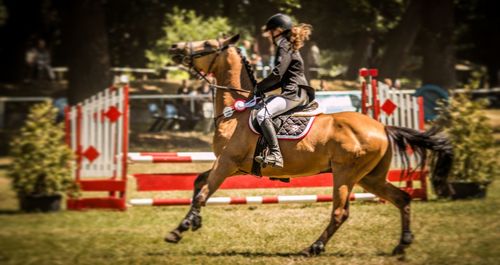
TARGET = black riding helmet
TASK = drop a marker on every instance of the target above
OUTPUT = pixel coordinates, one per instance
(278, 21)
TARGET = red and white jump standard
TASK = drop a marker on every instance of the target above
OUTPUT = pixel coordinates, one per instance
(97, 130)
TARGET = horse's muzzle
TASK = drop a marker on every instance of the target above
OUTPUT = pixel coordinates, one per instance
(177, 53)
(178, 58)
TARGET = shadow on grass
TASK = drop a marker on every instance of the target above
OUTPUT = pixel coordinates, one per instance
(251, 254)
(19, 212)
(10, 212)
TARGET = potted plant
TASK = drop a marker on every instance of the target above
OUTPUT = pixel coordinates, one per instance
(467, 127)
(41, 170)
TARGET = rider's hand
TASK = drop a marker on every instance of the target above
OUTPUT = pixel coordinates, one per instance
(256, 92)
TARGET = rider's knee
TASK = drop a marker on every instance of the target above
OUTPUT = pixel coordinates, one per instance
(261, 116)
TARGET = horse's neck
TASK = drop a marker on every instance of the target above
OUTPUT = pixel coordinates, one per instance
(230, 73)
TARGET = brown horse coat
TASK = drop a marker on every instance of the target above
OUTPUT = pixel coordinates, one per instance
(354, 147)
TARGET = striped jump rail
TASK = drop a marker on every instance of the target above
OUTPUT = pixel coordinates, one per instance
(171, 157)
(252, 200)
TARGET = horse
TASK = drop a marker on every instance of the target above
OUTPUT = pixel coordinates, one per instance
(354, 147)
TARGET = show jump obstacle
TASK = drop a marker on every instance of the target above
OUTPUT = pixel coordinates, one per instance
(97, 130)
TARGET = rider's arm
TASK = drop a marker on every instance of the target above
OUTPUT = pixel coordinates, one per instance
(272, 80)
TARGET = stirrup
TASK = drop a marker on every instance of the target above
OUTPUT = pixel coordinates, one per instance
(264, 161)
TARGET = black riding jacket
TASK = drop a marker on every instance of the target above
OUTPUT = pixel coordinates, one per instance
(288, 73)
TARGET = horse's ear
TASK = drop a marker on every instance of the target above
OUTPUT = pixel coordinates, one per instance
(233, 39)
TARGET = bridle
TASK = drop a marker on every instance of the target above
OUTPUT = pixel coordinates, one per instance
(188, 60)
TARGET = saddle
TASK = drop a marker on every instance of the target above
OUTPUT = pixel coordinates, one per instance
(291, 125)
(294, 124)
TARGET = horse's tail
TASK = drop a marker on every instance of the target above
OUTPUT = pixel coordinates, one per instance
(442, 153)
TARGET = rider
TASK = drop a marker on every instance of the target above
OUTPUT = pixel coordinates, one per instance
(288, 74)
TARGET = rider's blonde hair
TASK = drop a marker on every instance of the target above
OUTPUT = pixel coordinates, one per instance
(299, 34)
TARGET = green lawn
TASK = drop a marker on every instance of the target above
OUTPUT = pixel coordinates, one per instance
(447, 232)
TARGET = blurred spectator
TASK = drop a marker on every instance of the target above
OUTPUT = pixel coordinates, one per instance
(388, 82)
(30, 59)
(206, 108)
(397, 84)
(184, 90)
(163, 119)
(321, 85)
(313, 60)
(205, 89)
(43, 61)
(246, 48)
(60, 104)
(187, 119)
(258, 65)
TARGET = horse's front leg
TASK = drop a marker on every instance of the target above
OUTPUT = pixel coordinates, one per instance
(193, 218)
(205, 185)
(343, 185)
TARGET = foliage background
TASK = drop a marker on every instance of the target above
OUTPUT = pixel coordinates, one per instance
(468, 128)
(182, 25)
(42, 161)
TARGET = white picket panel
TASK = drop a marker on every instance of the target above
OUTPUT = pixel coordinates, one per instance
(93, 129)
(406, 114)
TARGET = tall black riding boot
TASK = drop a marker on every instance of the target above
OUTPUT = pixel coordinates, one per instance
(274, 157)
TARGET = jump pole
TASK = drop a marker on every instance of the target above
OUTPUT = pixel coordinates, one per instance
(95, 152)
(252, 200)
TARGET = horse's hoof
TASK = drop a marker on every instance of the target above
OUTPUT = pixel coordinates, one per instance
(196, 223)
(314, 250)
(173, 237)
(399, 250)
(305, 252)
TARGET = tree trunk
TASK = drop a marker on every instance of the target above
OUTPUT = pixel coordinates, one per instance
(88, 52)
(361, 55)
(438, 50)
(22, 26)
(400, 41)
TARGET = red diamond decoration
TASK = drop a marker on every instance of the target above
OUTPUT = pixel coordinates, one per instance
(388, 107)
(91, 154)
(112, 114)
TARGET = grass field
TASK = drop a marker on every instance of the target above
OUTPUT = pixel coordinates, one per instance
(446, 232)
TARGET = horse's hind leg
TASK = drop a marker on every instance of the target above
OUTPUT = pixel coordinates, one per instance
(193, 218)
(375, 182)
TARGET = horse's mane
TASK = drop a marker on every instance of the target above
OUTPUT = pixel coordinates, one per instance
(248, 67)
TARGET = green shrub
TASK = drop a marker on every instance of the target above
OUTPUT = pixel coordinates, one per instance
(42, 161)
(184, 25)
(468, 129)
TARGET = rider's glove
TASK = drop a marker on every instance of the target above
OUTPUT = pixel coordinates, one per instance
(257, 92)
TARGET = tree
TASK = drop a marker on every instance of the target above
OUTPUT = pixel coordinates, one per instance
(438, 44)
(22, 23)
(86, 40)
(185, 25)
(3, 13)
(400, 41)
